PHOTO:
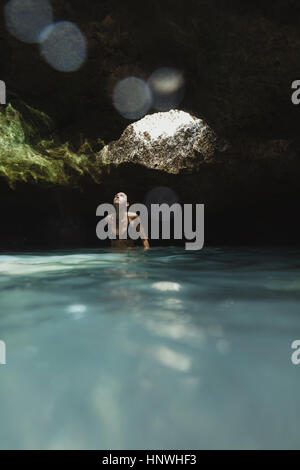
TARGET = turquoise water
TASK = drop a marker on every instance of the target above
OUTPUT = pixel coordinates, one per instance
(150, 349)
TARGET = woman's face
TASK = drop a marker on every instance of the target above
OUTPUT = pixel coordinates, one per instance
(120, 198)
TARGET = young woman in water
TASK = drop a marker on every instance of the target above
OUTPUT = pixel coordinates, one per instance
(123, 219)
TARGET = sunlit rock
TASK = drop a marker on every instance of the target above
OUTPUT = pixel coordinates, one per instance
(169, 141)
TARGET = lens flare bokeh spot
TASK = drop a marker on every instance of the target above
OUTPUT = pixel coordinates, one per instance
(161, 195)
(63, 46)
(132, 97)
(167, 86)
(25, 19)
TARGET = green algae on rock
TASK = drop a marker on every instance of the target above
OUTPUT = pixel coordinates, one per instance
(31, 152)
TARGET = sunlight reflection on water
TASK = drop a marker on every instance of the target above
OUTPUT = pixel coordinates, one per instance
(185, 349)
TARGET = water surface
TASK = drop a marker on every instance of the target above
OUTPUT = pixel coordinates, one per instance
(157, 349)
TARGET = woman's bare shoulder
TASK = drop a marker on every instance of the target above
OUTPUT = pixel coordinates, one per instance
(132, 215)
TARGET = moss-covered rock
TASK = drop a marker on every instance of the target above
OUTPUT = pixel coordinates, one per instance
(31, 152)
